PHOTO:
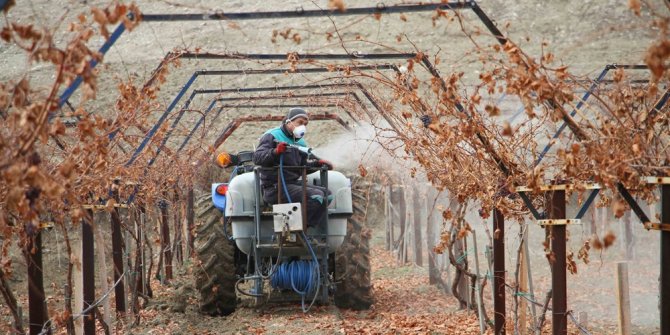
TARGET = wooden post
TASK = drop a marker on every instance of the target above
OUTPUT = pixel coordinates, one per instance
(665, 261)
(529, 277)
(399, 213)
(37, 305)
(392, 213)
(419, 200)
(140, 260)
(478, 297)
(165, 239)
(88, 272)
(559, 301)
(117, 253)
(128, 252)
(99, 219)
(177, 241)
(463, 288)
(388, 217)
(623, 298)
(523, 288)
(78, 286)
(499, 272)
(190, 214)
(628, 234)
(432, 219)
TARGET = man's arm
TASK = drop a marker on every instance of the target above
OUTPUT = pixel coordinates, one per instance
(265, 153)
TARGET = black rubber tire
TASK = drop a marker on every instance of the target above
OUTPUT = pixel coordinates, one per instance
(215, 266)
(352, 260)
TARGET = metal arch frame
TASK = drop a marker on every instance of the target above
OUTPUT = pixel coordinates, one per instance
(300, 13)
(379, 9)
(196, 74)
(353, 84)
(235, 123)
(164, 142)
(588, 94)
(181, 93)
(218, 113)
(600, 79)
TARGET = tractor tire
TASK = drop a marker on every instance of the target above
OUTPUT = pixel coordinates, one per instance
(352, 260)
(215, 266)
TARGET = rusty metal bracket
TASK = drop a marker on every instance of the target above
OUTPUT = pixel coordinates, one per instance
(657, 226)
(46, 225)
(657, 180)
(564, 187)
(559, 222)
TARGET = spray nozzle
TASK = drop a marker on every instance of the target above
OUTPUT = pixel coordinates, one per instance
(305, 150)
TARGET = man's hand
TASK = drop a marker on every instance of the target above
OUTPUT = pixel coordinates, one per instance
(281, 148)
(325, 162)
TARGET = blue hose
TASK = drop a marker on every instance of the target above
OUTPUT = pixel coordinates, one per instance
(298, 274)
(283, 181)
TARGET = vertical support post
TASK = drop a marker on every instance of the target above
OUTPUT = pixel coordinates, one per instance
(529, 275)
(99, 219)
(398, 205)
(165, 245)
(499, 272)
(117, 253)
(665, 260)
(623, 298)
(392, 213)
(418, 218)
(556, 201)
(389, 217)
(177, 241)
(628, 234)
(36, 297)
(88, 272)
(431, 226)
(523, 288)
(478, 285)
(190, 216)
(139, 249)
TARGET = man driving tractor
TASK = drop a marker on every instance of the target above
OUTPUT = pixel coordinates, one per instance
(280, 145)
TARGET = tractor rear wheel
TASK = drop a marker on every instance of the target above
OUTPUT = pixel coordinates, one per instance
(215, 269)
(352, 259)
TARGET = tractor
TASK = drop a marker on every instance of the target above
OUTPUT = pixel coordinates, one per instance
(268, 253)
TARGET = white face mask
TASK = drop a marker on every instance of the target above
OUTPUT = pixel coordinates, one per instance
(299, 131)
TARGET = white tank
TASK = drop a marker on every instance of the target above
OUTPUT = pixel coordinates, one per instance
(240, 205)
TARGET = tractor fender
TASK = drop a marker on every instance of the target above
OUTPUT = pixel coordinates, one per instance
(218, 199)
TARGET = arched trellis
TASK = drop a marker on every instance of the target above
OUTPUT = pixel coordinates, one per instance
(196, 74)
(292, 96)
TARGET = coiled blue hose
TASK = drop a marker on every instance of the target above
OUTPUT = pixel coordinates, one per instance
(297, 275)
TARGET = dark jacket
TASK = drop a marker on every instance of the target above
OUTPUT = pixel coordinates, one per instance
(265, 156)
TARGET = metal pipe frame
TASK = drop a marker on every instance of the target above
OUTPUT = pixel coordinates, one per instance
(218, 113)
(586, 96)
(358, 85)
(196, 74)
(302, 13)
(379, 9)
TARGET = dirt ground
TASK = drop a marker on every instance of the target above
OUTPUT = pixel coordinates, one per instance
(405, 303)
